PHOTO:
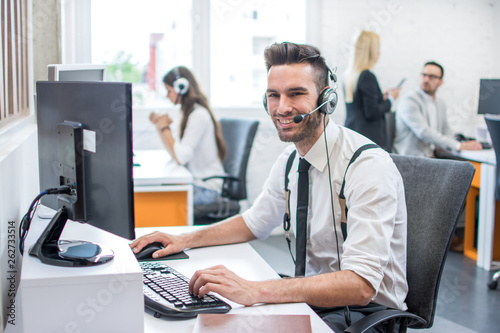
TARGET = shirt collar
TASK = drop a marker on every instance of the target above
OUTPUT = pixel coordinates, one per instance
(426, 96)
(316, 155)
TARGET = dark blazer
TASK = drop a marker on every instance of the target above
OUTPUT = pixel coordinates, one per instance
(365, 114)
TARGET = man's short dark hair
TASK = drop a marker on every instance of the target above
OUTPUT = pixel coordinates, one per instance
(287, 53)
(436, 64)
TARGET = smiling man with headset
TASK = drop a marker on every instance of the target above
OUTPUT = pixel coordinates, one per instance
(348, 263)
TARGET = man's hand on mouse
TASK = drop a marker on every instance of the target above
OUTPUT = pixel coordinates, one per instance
(172, 244)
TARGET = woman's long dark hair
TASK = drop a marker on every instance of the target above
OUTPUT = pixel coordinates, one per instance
(194, 96)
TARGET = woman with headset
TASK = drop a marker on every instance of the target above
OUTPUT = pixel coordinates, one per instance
(199, 146)
(366, 105)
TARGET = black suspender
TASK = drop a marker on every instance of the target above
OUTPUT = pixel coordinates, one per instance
(344, 210)
(343, 207)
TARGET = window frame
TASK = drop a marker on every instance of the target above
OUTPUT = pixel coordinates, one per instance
(15, 60)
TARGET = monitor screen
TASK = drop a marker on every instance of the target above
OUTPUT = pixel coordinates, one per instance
(103, 111)
(76, 72)
(489, 96)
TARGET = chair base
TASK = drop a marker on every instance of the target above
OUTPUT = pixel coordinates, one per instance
(493, 284)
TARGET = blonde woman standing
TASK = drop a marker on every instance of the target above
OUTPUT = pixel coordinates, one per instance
(365, 102)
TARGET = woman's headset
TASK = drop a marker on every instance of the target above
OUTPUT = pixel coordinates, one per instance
(180, 84)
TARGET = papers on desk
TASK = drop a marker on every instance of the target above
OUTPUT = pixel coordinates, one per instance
(230, 323)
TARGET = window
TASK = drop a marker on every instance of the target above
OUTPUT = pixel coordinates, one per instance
(140, 41)
(239, 33)
(14, 100)
(221, 40)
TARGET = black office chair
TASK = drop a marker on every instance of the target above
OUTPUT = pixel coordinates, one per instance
(493, 124)
(239, 135)
(390, 126)
(435, 192)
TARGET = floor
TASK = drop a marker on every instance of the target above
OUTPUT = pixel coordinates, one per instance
(465, 303)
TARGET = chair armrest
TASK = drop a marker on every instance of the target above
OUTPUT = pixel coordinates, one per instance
(225, 177)
(379, 317)
(227, 184)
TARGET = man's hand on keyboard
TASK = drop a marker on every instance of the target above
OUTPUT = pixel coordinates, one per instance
(172, 244)
(224, 282)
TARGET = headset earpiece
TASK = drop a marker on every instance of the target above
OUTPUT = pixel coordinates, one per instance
(327, 98)
(264, 102)
(181, 85)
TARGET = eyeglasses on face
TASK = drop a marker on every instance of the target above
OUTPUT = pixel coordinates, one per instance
(431, 76)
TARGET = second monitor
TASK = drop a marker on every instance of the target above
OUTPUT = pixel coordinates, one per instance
(489, 96)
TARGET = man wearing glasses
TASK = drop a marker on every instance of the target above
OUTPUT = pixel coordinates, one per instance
(421, 122)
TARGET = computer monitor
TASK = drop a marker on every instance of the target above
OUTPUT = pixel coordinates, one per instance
(85, 142)
(489, 96)
(76, 72)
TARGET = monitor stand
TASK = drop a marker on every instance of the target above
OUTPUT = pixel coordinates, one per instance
(52, 251)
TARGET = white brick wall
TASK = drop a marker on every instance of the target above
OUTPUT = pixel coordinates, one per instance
(462, 35)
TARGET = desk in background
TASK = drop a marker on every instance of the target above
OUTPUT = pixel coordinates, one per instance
(240, 258)
(163, 190)
(483, 185)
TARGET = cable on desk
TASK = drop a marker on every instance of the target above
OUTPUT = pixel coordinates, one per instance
(24, 226)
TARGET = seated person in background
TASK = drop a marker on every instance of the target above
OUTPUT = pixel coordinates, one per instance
(200, 146)
(372, 258)
(421, 120)
(366, 105)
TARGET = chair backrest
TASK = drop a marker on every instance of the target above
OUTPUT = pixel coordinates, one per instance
(435, 192)
(239, 134)
(390, 125)
(493, 123)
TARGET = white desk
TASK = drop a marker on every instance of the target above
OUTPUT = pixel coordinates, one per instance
(102, 298)
(161, 185)
(486, 223)
(240, 258)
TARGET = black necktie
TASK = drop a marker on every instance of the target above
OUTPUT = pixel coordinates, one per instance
(302, 203)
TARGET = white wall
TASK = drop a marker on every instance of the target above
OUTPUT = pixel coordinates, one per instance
(462, 35)
(18, 186)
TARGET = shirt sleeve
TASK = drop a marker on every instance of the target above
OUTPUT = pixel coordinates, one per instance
(373, 191)
(268, 209)
(197, 124)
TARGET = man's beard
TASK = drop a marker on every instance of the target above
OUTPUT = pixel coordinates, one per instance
(307, 130)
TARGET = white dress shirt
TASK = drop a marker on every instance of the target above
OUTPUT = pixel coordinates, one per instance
(197, 150)
(431, 105)
(375, 247)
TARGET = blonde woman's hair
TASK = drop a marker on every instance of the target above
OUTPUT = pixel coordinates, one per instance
(364, 55)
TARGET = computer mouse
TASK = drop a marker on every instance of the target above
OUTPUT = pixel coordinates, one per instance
(148, 250)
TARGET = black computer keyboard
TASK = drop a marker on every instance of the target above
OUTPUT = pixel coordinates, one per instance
(166, 293)
(486, 145)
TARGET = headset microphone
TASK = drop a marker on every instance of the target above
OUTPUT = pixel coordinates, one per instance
(298, 118)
